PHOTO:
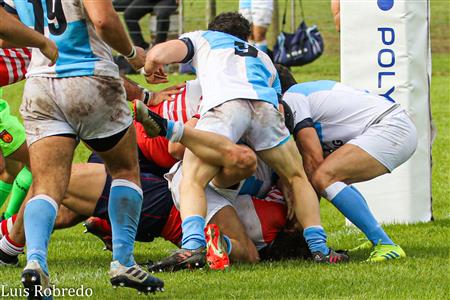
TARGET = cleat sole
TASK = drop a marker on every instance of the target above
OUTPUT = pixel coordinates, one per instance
(31, 280)
(123, 281)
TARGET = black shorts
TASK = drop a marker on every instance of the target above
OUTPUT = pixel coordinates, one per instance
(156, 206)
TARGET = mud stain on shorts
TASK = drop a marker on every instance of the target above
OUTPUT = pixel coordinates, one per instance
(42, 105)
(112, 93)
(75, 97)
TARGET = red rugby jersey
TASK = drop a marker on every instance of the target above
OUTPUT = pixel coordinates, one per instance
(263, 219)
(182, 108)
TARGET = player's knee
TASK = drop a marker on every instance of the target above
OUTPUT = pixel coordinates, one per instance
(242, 157)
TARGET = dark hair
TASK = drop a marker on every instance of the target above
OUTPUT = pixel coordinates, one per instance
(287, 245)
(232, 23)
(286, 78)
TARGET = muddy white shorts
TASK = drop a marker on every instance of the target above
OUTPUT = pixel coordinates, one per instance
(90, 107)
(215, 201)
(391, 139)
(257, 12)
(256, 123)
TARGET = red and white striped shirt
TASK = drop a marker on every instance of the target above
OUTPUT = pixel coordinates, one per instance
(182, 108)
(13, 65)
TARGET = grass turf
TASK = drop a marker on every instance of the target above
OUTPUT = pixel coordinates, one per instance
(76, 259)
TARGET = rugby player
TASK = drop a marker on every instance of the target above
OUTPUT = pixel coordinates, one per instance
(347, 136)
(183, 107)
(15, 178)
(88, 192)
(240, 90)
(259, 15)
(81, 97)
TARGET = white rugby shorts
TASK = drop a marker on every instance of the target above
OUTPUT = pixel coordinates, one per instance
(260, 13)
(215, 201)
(257, 123)
(90, 107)
(391, 141)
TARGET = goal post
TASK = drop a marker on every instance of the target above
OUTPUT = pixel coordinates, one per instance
(385, 48)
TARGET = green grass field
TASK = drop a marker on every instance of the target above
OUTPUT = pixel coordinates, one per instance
(77, 259)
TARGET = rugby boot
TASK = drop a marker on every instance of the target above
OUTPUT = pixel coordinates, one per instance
(35, 281)
(7, 260)
(180, 259)
(216, 248)
(386, 252)
(331, 258)
(154, 124)
(134, 277)
(101, 229)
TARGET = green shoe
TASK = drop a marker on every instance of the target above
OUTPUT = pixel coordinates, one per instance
(367, 245)
(386, 252)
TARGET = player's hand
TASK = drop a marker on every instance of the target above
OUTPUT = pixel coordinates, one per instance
(166, 94)
(50, 51)
(138, 62)
(156, 77)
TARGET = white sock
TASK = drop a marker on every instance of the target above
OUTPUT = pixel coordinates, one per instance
(9, 247)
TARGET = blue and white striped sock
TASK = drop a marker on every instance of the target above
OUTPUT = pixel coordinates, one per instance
(175, 131)
(350, 202)
(39, 219)
(316, 238)
(125, 203)
(193, 233)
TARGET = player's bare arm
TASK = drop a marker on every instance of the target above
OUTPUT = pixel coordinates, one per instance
(12, 31)
(109, 27)
(165, 94)
(162, 54)
(309, 145)
(136, 92)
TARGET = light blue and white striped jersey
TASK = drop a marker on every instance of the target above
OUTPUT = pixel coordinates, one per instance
(81, 51)
(338, 112)
(229, 68)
